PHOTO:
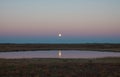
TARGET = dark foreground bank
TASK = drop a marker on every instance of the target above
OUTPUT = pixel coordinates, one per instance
(106, 67)
(35, 47)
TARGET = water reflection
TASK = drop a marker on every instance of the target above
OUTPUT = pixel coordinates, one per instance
(58, 54)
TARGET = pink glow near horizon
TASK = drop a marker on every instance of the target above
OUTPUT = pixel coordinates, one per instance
(77, 18)
(53, 29)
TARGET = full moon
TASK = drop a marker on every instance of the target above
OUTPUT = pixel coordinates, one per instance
(59, 35)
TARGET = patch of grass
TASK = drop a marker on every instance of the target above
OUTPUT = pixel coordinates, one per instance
(60, 67)
(35, 47)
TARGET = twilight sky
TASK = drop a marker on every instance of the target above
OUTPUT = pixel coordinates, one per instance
(40, 21)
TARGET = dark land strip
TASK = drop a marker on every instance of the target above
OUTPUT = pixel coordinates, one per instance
(36, 47)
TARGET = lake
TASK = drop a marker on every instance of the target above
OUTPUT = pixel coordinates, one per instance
(58, 54)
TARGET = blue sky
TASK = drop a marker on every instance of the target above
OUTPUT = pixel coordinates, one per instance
(40, 21)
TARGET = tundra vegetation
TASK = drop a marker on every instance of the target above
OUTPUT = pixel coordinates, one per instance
(35, 47)
(47, 67)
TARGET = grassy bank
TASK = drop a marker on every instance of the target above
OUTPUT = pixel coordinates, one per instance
(35, 47)
(106, 67)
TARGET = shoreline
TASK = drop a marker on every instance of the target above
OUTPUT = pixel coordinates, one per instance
(59, 60)
(36, 47)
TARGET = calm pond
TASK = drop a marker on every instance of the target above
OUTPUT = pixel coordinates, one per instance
(58, 54)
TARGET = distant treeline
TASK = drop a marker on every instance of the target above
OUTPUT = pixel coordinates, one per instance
(34, 47)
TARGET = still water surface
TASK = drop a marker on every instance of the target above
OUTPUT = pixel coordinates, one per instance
(58, 54)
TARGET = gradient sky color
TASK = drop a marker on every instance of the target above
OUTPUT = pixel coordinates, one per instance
(40, 21)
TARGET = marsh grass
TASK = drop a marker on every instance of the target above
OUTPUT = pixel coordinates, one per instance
(36, 47)
(60, 67)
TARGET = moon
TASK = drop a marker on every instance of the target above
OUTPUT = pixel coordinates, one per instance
(59, 35)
